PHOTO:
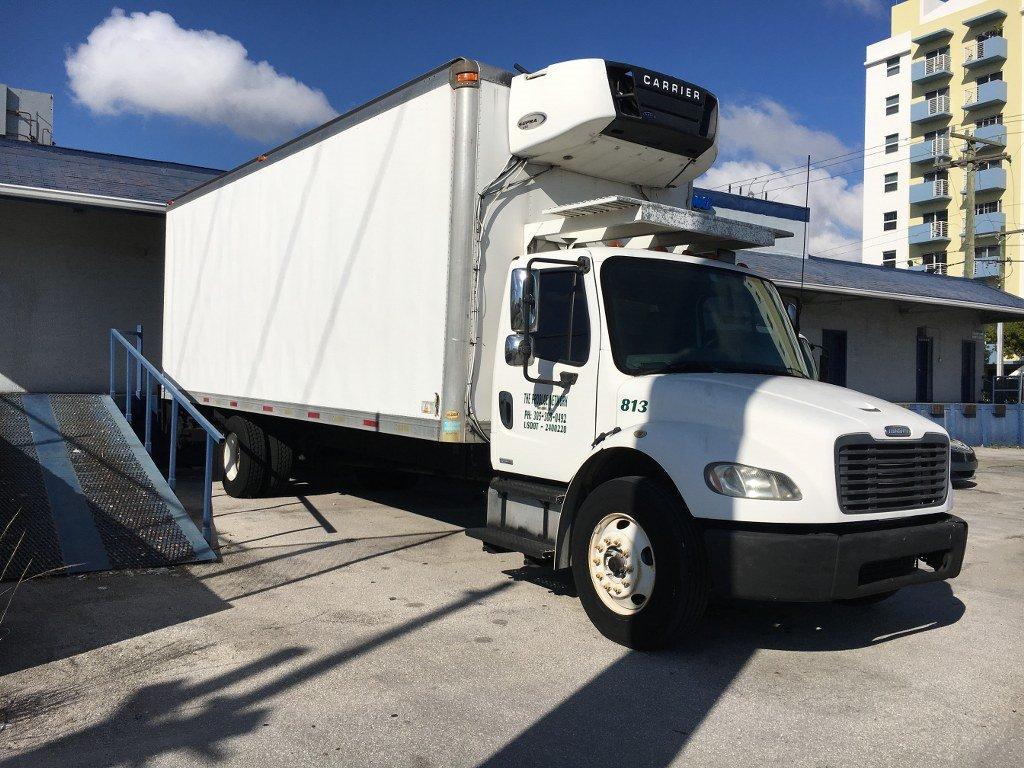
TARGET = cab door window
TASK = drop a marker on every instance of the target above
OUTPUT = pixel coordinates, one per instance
(563, 323)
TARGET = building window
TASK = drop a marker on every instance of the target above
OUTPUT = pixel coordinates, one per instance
(888, 221)
(891, 182)
(936, 93)
(833, 357)
(936, 175)
(892, 105)
(989, 252)
(997, 32)
(934, 262)
(892, 66)
(968, 380)
(986, 164)
(993, 120)
(889, 259)
(993, 78)
(991, 207)
(892, 143)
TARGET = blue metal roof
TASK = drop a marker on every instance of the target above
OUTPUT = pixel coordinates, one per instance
(95, 173)
(882, 282)
(731, 202)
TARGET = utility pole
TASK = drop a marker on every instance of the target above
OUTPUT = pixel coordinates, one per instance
(969, 162)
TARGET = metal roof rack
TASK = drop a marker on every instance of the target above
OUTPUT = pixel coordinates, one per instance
(618, 217)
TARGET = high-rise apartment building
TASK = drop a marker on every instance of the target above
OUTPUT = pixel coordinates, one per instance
(950, 66)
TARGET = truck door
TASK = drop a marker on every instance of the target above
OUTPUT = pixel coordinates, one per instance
(546, 429)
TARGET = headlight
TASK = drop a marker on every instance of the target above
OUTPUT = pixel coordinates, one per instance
(959, 446)
(745, 482)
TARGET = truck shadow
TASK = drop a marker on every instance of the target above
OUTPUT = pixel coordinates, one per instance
(665, 697)
(669, 693)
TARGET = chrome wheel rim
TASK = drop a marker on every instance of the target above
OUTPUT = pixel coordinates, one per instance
(231, 457)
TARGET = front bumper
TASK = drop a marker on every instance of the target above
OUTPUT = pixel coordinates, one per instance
(838, 562)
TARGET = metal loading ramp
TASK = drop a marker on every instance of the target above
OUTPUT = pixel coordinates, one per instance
(79, 493)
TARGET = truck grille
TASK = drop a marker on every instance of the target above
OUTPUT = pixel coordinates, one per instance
(881, 476)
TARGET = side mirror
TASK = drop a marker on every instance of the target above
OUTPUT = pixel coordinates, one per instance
(807, 350)
(523, 301)
(518, 350)
(794, 313)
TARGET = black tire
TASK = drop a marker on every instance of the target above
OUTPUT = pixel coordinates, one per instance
(251, 477)
(869, 599)
(282, 460)
(681, 587)
(385, 479)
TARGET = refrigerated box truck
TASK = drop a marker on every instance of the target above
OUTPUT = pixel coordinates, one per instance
(494, 275)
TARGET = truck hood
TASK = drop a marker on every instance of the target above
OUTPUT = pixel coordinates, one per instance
(785, 424)
(741, 402)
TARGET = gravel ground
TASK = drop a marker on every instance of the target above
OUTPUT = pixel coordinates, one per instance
(345, 629)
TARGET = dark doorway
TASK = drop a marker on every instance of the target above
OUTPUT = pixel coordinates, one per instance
(968, 354)
(833, 357)
(924, 368)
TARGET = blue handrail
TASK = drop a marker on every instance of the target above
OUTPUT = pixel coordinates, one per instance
(133, 350)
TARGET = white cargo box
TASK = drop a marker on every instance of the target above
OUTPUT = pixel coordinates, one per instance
(342, 278)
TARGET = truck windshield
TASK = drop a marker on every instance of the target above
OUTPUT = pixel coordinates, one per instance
(672, 317)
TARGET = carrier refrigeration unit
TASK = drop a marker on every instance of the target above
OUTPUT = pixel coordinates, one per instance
(498, 276)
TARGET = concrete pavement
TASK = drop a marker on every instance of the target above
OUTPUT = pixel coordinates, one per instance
(345, 629)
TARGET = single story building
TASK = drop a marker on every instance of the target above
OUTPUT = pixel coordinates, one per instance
(81, 251)
(907, 337)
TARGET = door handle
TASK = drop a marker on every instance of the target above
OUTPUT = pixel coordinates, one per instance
(505, 409)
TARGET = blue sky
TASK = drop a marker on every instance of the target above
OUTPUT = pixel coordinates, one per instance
(804, 55)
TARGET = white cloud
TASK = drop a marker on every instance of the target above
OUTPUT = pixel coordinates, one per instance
(762, 149)
(144, 63)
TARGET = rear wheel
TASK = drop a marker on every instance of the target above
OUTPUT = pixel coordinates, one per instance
(245, 459)
(281, 458)
(638, 563)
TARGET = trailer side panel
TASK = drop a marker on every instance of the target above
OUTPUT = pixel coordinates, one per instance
(320, 280)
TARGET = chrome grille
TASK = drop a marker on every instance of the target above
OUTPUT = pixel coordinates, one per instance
(886, 475)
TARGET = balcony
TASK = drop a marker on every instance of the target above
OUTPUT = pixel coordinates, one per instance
(988, 180)
(930, 192)
(929, 232)
(992, 50)
(935, 108)
(930, 151)
(986, 268)
(985, 95)
(996, 133)
(988, 224)
(932, 68)
(935, 268)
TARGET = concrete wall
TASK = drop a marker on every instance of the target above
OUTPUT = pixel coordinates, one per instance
(877, 163)
(882, 343)
(67, 275)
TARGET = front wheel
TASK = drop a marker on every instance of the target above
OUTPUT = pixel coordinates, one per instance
(638, 563)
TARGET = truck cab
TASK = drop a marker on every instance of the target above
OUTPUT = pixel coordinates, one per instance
(661, 434)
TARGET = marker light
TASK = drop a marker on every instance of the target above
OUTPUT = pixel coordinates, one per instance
(743, 482)
(467, 77)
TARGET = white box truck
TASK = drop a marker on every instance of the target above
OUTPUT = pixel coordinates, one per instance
(495, 275)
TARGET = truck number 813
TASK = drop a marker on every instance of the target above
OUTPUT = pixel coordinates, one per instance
(639, 406)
